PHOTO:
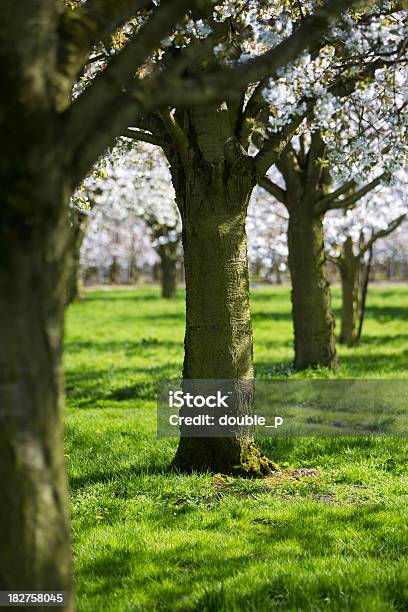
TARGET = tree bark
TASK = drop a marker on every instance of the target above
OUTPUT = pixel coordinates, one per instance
(218, 339)
(34, 524)
(311, 301)
(349, 274)
(35, 187)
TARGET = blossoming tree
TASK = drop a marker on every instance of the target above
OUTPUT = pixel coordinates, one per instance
(350, 238)
(351, 140)
(132, 184)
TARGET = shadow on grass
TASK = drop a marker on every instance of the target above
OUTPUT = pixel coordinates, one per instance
(120, 295)
(89, 386)
(370, 340)
(378, 361)
(384, 314)
(310, 450)
(273, 572)
(165, 316)
(75, 346)
(122, 475)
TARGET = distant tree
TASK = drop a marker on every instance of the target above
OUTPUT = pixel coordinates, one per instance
(391, 254)
(352, 139)
(78, 222)
(267, 238)
(351, 237)
(130, 184)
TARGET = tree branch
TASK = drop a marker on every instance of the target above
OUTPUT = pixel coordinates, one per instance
(277, 142)
(350, 200)
(142, 136)
(82, 28)
(254, 106)
(174, 130)
(271, 187)
(382, 233)
(314, 169)
(100, 101)
(323, 204)
(117, 108)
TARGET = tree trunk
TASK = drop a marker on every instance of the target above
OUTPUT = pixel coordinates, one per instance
(349, 274)
(34, 525)
(78, 227)
(168, 261)
(218, 339)
(133, 275)
(114, 272)
(364, 291)
(311, 301)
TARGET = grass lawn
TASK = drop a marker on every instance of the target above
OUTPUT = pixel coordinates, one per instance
(329, 532)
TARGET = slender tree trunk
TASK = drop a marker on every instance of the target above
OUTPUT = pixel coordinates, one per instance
(218, 339)
(133, 275)
(78, 229)
(156, 272)
(349, 305)
(168, 261)
(364, 292)
(349, 265)
(114, 272)
(278, 275)
(311, 300)
(34, 525)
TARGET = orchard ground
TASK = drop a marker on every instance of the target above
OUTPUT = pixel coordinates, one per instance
(328, 532)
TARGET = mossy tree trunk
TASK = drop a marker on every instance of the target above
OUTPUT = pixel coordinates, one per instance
(34, 525)
(349, 273)
(311, 300)
(212, 192)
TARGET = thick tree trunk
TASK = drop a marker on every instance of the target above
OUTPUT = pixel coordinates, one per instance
(311, 301)
(349, 274)
(34, 525)
(168, 261)
(218, 339)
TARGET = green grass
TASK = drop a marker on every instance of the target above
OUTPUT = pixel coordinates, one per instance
(332, 536)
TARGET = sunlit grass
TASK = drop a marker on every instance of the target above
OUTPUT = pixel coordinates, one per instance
(333, 537)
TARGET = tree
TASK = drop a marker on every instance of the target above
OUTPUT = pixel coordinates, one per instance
(214, 173)
(49, 144)
(132, 183)
(116, 246)
(353, 137)
(267, 238)
(391, 255)
(351, 236)
(154, 202)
